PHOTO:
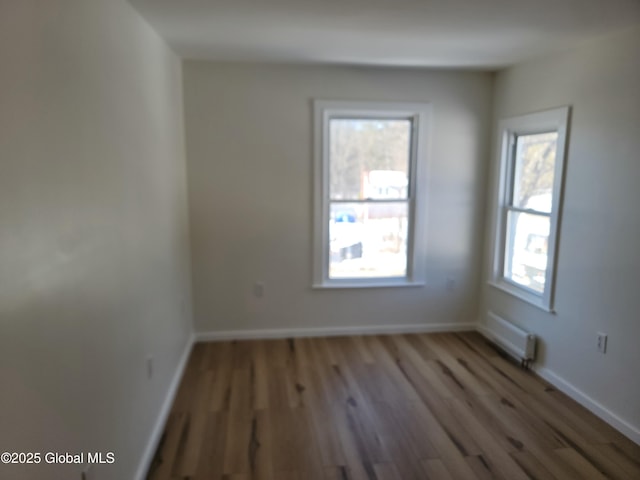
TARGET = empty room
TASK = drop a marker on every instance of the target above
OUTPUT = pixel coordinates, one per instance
(354, 240)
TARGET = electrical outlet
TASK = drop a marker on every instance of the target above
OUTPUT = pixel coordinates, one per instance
(602, 342)
(150, 367)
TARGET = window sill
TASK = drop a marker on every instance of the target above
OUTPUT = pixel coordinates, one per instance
(522, 294)
(381, 283)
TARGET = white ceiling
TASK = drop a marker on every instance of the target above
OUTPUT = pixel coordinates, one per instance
(434, 33)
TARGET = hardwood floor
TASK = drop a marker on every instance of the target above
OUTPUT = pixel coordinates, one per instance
(398, 407)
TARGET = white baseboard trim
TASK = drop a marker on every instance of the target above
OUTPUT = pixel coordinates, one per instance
(624, 427)
(213, 336)
(158, 428)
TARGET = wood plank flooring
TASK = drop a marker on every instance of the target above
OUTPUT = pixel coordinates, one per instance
(397, 407)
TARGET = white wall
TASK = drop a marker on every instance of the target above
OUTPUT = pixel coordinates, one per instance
(249, 144)
(93, 231)
(599, 257)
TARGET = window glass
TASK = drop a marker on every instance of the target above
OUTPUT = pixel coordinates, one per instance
(534, 171)
(369, 158)
(368, 240)
(527, 249)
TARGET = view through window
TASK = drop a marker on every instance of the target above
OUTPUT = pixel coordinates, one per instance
(529, 210)
(532, 155)
(369, 197)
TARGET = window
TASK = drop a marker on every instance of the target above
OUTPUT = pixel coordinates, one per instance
(369, 225)
(532, 152)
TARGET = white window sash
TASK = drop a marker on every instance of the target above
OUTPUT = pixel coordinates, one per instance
(419, 115)
(555, 120)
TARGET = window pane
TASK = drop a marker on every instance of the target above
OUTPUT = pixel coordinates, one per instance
(526, 253)
(369, 158)
(534, 170)
(368, 240)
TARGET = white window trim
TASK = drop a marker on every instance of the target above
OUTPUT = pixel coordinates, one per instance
(555, 120)
(420, 113)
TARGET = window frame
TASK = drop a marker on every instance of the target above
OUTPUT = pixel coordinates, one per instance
(420, 115)
(548, 121)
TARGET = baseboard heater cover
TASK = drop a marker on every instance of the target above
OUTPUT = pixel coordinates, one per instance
(512, 339)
